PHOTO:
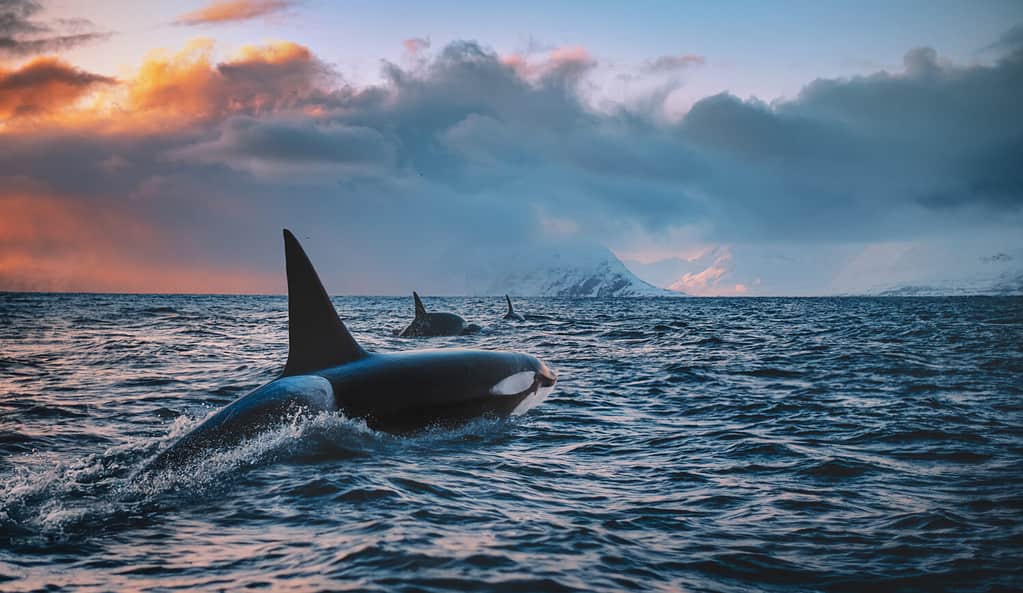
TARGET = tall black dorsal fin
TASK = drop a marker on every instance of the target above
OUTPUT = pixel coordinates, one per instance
(420, 309)
(317, 339)
(510, 310)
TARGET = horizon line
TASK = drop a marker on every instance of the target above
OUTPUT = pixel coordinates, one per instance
(469, 296)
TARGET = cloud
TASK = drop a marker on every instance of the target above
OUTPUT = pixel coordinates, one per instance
(867, 158)
(416, 45)
(172, 89)
(568, 64)
(228, 11)
(466, 151)
(1010, 41)
(20, 35)
(712, 279)
(674, 63)
(298, 145)
(43, 85)
(15, 17)
(259, 78)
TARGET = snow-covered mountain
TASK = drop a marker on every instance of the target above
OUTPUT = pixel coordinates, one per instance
(991, 275)
(992, 287)
(557, 269)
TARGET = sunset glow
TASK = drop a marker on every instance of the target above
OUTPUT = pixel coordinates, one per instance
(233, 125)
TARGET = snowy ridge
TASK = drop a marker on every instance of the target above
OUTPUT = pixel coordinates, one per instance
(1000, 274)
(997, 287)
(557, 269)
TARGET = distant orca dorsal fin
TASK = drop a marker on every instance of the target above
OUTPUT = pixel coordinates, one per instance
(510, 310)
(317, 338)
(420, 309)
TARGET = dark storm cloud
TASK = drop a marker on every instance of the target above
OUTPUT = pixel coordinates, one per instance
(942, 130)
(22, 35)
(247, 142)
(849, 159)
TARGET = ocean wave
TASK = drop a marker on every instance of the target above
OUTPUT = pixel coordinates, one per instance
(700, 444)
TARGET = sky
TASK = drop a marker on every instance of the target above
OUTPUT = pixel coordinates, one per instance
(727, 148)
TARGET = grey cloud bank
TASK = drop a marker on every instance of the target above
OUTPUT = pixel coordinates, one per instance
(405, 184)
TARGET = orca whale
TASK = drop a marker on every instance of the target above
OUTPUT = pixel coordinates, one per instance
(511, 314)
(327, 370)
(428, 324)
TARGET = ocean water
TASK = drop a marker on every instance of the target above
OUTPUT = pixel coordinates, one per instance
(690, 445)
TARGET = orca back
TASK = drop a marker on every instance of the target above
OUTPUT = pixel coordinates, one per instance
(511, 314)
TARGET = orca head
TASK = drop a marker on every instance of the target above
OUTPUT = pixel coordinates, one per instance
(530, 379)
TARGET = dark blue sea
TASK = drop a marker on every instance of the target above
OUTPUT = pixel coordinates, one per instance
(733, 445)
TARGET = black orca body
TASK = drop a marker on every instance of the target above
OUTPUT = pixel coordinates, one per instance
(327, 370)
(511, 314)
(428, 324)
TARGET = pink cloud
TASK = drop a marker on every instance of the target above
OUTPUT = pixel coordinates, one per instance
(712, 280)
(572, 60)
(226, 11)
(576, 54)
(415, 45)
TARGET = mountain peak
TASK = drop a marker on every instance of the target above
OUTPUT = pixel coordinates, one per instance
(557, 269)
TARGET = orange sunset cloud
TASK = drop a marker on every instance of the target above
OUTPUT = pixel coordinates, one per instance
(52, 240)
(168, 90)
(224, 11)
(43, 85)
(188, 84)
